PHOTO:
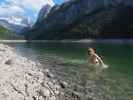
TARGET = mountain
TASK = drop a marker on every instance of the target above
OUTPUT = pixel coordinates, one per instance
(78, 19)
(14, 24)
(44, 12)
(6, 34)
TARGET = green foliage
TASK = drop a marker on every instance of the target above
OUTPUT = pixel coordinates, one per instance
(5, 34)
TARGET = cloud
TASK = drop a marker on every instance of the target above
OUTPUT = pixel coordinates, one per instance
(30, 4)
(22, 7)
(6, 10)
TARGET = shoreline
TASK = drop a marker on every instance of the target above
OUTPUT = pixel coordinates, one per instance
(119, 41)
(24, 79)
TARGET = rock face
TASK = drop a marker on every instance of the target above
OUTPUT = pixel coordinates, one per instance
(23, 79)
(43, 12)
(85, 19)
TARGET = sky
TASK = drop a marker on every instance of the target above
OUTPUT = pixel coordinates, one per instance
(24, 8)
(58, 1)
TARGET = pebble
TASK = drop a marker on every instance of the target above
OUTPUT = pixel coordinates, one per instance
(8, 62)
(22, 78)
(63, 84)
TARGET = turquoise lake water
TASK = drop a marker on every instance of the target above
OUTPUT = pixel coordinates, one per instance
(118, 56)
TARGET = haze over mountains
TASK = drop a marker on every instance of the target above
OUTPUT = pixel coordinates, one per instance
(6, 34)
(14, 24)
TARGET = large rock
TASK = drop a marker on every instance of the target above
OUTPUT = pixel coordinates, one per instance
(69, 19)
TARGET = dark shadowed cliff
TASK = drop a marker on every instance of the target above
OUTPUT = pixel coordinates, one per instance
(78, 19)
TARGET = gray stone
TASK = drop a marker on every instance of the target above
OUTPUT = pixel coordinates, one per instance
(63, 84)
(8, 62)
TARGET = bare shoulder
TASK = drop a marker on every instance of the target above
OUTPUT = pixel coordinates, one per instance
(96, 55)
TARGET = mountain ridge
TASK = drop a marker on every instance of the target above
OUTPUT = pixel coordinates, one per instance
(14, 24)
(60, 22)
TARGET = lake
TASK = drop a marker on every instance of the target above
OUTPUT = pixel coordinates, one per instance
(68, 61)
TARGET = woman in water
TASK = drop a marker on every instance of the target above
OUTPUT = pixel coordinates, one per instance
(94, 59)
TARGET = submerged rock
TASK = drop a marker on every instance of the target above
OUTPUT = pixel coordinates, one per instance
(63, 84)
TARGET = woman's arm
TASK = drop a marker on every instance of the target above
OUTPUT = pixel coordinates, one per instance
(99, 59)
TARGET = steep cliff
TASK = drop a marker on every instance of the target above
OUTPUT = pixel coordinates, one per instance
(43, 13)
(86, 19)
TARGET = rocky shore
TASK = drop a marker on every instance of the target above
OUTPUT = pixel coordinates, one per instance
(23, 79)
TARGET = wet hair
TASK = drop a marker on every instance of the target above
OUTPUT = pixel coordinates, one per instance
(91, 50)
